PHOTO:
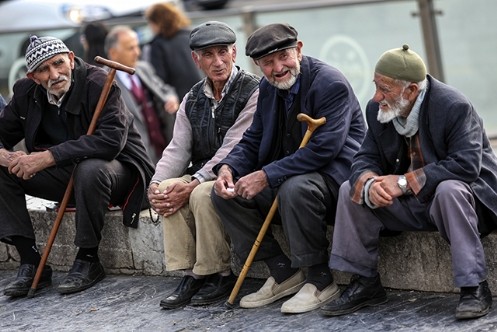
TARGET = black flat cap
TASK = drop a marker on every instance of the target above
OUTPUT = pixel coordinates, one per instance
(211, 33)
(269, 39)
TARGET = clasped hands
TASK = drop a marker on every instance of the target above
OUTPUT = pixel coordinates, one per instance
(384, 190)
(24, 165)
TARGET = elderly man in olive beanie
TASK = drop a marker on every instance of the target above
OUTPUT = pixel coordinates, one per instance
(426, 165)
(268, 162)
(51, 110)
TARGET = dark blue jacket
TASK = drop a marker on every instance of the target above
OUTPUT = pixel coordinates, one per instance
(324, 92)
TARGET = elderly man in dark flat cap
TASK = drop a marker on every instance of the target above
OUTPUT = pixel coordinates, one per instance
(51, 110)
(425, 164)
(210, 121)
(268, 162)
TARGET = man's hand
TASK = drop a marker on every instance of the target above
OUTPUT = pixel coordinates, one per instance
(171, 105)
(6, 156)
(172, 199)
(251, 184)
(26, 166)
(224, 186)
(384, 190)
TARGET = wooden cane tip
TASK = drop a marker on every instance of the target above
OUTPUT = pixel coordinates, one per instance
(229, 305)
(31, 292)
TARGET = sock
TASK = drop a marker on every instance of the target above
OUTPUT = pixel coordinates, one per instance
(280, 267)
(88, 254)
(194, 275)
(320, 276)
(27, 250)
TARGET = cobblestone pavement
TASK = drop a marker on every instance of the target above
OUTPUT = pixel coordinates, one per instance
(131, 303)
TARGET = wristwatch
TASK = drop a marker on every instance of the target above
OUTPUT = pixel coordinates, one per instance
(402, 183)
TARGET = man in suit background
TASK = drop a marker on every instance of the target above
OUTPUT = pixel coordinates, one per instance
(152, 102)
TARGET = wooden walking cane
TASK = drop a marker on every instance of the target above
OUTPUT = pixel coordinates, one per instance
(67, 195)
(312, 125)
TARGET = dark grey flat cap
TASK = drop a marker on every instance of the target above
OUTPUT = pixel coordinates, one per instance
(269, 39)
(211, 33)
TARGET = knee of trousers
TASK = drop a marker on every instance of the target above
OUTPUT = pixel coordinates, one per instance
(201, 195)
(90, 172)
(451, 191)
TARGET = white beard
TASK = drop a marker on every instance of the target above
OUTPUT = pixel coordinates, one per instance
(393, 111)
(286, 85)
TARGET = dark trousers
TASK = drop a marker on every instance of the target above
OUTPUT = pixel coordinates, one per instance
(97, 183)
(303, 205)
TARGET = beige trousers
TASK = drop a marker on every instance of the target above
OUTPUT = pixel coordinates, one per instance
(194, 237)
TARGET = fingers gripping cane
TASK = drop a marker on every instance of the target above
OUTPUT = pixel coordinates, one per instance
(67, 195)
(312, 125)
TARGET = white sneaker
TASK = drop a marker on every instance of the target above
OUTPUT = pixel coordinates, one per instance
(309, 298)
(271, 291)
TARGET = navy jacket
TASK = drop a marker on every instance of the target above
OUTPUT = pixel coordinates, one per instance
(324, 92)
(453, 142)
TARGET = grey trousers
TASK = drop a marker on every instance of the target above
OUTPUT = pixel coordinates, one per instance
(97, 183)
(451, 212)
(303, 203)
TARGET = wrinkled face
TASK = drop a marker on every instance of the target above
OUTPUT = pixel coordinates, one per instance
(282, 68)
(216, 61)
(127, 49)
(55, 73)
(393, 98)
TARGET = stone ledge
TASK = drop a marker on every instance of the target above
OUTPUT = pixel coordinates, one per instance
(412, 260)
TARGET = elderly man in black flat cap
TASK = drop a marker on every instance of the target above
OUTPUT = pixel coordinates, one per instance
(210, 121)
(426, 164)
(268, 162)
(51, 110)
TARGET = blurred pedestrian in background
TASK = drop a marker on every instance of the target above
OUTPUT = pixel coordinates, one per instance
(169, 50)
(2, 103)
(93, 39)
(152, 102)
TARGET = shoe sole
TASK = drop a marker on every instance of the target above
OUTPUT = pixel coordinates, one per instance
(166, 305)
(471, 315)
(65, 291)
(310, 307)
(369, 303)
(199, 302)
(24, 292)
(290, 291)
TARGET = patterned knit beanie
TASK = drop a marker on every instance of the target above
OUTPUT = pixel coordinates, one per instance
(41, 49)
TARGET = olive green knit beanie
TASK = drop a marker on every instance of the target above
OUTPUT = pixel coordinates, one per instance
(402, 64)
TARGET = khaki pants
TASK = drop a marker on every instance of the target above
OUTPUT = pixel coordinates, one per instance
(194, 237)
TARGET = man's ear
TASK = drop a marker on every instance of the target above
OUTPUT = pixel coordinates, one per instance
(32, 77)
(195, 59)
(71, 59)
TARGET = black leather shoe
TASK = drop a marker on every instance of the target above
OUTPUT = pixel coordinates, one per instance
(474, 302)
(83, 275)
(360, 292)
(24, 280)
(215, 288)
(183, 293)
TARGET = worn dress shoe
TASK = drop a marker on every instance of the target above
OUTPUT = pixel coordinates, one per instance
(474, 302)
(272, 291)
(83, 275)
(361, 292)
(309, 298)
(182, 295)
(24, 280)
(215, 288)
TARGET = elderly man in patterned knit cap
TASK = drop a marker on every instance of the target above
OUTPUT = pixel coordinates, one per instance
(52, 110)
(426, 164)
